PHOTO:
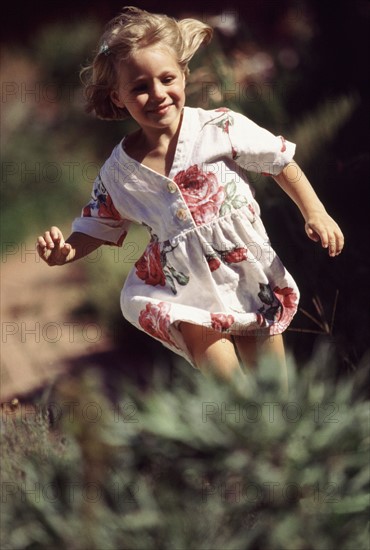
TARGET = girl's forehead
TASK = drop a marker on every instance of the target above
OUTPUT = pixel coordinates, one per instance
(149, 59)
(154, 52)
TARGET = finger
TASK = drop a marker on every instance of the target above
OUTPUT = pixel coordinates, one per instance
(56, 234)
(43, 252)
(332, 246)
(66, 249)
(312, 234)
(43, 249)
(40, 249)
(41, 242)
(325, 240)
(49, 242)
(336, 242)
(340, 243)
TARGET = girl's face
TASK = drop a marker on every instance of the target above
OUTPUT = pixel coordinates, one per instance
(151, 87)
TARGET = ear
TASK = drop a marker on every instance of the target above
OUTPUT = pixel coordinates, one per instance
(116, 99)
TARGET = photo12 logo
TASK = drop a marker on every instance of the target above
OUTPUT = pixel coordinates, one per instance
(269, 492)
(268, 411)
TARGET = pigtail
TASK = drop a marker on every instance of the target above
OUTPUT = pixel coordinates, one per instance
(194, 33)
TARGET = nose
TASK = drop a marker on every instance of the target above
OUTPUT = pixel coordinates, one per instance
(157, 90)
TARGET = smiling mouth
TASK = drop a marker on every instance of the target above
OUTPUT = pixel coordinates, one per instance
(160, 109)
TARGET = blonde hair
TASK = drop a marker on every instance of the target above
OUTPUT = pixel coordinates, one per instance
(124, 35)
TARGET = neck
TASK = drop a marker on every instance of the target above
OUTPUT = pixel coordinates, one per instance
(159, 138)
(155, 149)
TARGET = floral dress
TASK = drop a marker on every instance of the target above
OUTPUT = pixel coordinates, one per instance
(209, 260)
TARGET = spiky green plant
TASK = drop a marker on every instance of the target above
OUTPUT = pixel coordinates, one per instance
(192, 463)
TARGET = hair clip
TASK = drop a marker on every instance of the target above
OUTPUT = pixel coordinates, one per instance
(104, 48)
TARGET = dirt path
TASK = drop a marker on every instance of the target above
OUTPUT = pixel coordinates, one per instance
(38, 336)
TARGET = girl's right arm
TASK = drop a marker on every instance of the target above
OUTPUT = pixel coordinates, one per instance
(54, 250)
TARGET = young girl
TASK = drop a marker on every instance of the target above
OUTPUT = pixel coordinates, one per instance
(208, 286)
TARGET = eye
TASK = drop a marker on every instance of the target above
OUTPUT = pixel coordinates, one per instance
(140, 88)
(168, 79)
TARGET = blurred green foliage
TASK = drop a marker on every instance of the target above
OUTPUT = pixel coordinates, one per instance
(190, 463)
(51, 150)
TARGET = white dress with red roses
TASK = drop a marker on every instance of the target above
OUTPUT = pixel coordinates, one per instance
(209, 260)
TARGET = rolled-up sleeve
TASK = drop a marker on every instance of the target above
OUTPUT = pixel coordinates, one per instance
(100, 218)
(256, 149)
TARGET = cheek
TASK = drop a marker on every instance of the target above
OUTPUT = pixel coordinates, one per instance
(141, 101)
(180, 90)
(136, 102)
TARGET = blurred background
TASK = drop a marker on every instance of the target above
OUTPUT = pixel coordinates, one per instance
(298, 68)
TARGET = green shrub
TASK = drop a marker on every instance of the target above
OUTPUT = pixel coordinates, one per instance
(190, 463)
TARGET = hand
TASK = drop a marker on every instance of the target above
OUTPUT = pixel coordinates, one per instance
(52, 248)
(321, 227)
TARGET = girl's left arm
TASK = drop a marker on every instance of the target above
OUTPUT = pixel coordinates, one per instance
(319, 225)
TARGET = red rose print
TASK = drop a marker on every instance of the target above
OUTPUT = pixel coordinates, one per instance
(201, 192)
(221, 322)
(286, 296)
(234, 153)
(107, 208)
(101, 206)
(283, 146)
(213, 262)
(289, 303)
(86, 212)
(155, 320)
(236, 255)
(149, 266)
(280, 306)
(251, 209)
(226, 121)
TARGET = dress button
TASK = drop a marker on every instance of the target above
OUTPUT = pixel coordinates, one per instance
(182, 214)
(171, 187)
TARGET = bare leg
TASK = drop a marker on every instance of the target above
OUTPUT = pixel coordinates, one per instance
(251, 348)
(212, 352)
